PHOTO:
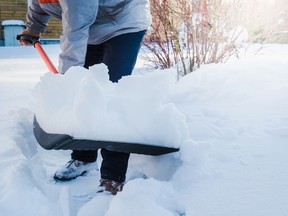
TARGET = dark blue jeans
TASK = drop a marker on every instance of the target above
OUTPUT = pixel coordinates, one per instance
(120, 55)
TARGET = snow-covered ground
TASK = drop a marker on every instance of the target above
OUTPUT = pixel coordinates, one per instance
(235, 163)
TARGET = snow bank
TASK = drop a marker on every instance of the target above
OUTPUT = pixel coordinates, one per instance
(236, 114)
(85, 104)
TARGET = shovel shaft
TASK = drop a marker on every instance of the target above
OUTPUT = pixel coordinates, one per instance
(44, 56)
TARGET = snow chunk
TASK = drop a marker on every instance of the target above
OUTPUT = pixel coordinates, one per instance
(85, 104)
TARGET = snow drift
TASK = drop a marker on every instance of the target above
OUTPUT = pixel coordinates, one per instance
(236, 114)
(132, 110)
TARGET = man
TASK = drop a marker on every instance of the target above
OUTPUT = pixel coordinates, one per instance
(94, 31)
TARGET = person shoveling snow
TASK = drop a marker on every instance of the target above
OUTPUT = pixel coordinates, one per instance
(93, 33)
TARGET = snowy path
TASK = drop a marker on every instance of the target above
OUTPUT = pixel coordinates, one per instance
(237, 164)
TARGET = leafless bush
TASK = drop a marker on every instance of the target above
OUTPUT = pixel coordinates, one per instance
(189, 33)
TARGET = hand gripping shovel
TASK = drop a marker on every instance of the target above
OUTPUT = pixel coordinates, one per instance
(37, 44)
(63, 141)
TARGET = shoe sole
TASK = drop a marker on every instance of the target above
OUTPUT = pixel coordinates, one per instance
(68, 179)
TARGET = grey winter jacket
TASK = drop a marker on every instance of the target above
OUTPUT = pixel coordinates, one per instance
(88, 22)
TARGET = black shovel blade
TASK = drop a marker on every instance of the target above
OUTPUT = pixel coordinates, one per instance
(50, 141)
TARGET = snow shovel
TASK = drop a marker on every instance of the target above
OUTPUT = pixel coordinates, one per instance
(66, 142)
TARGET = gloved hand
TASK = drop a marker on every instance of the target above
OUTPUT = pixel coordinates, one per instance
(30, 32)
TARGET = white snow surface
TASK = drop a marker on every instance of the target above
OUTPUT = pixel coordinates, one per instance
(132, 110)
(231, 122)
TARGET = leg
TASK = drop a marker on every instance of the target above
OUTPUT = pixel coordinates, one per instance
(114, 165)
(94, 56)
(82, 161)
(85, 156)
(120, 55)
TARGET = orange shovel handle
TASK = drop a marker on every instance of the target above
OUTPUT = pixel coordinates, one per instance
(37, 44)
(45, 58)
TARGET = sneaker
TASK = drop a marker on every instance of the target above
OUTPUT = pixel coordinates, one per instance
(110, 186)
(73, 169)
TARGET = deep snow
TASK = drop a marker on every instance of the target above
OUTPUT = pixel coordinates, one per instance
(234, 164)
(131, 110)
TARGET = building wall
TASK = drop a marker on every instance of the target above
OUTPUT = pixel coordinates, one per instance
(16, 9)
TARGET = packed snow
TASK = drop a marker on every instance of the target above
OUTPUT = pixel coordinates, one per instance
(230, 121)
(132, 110)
